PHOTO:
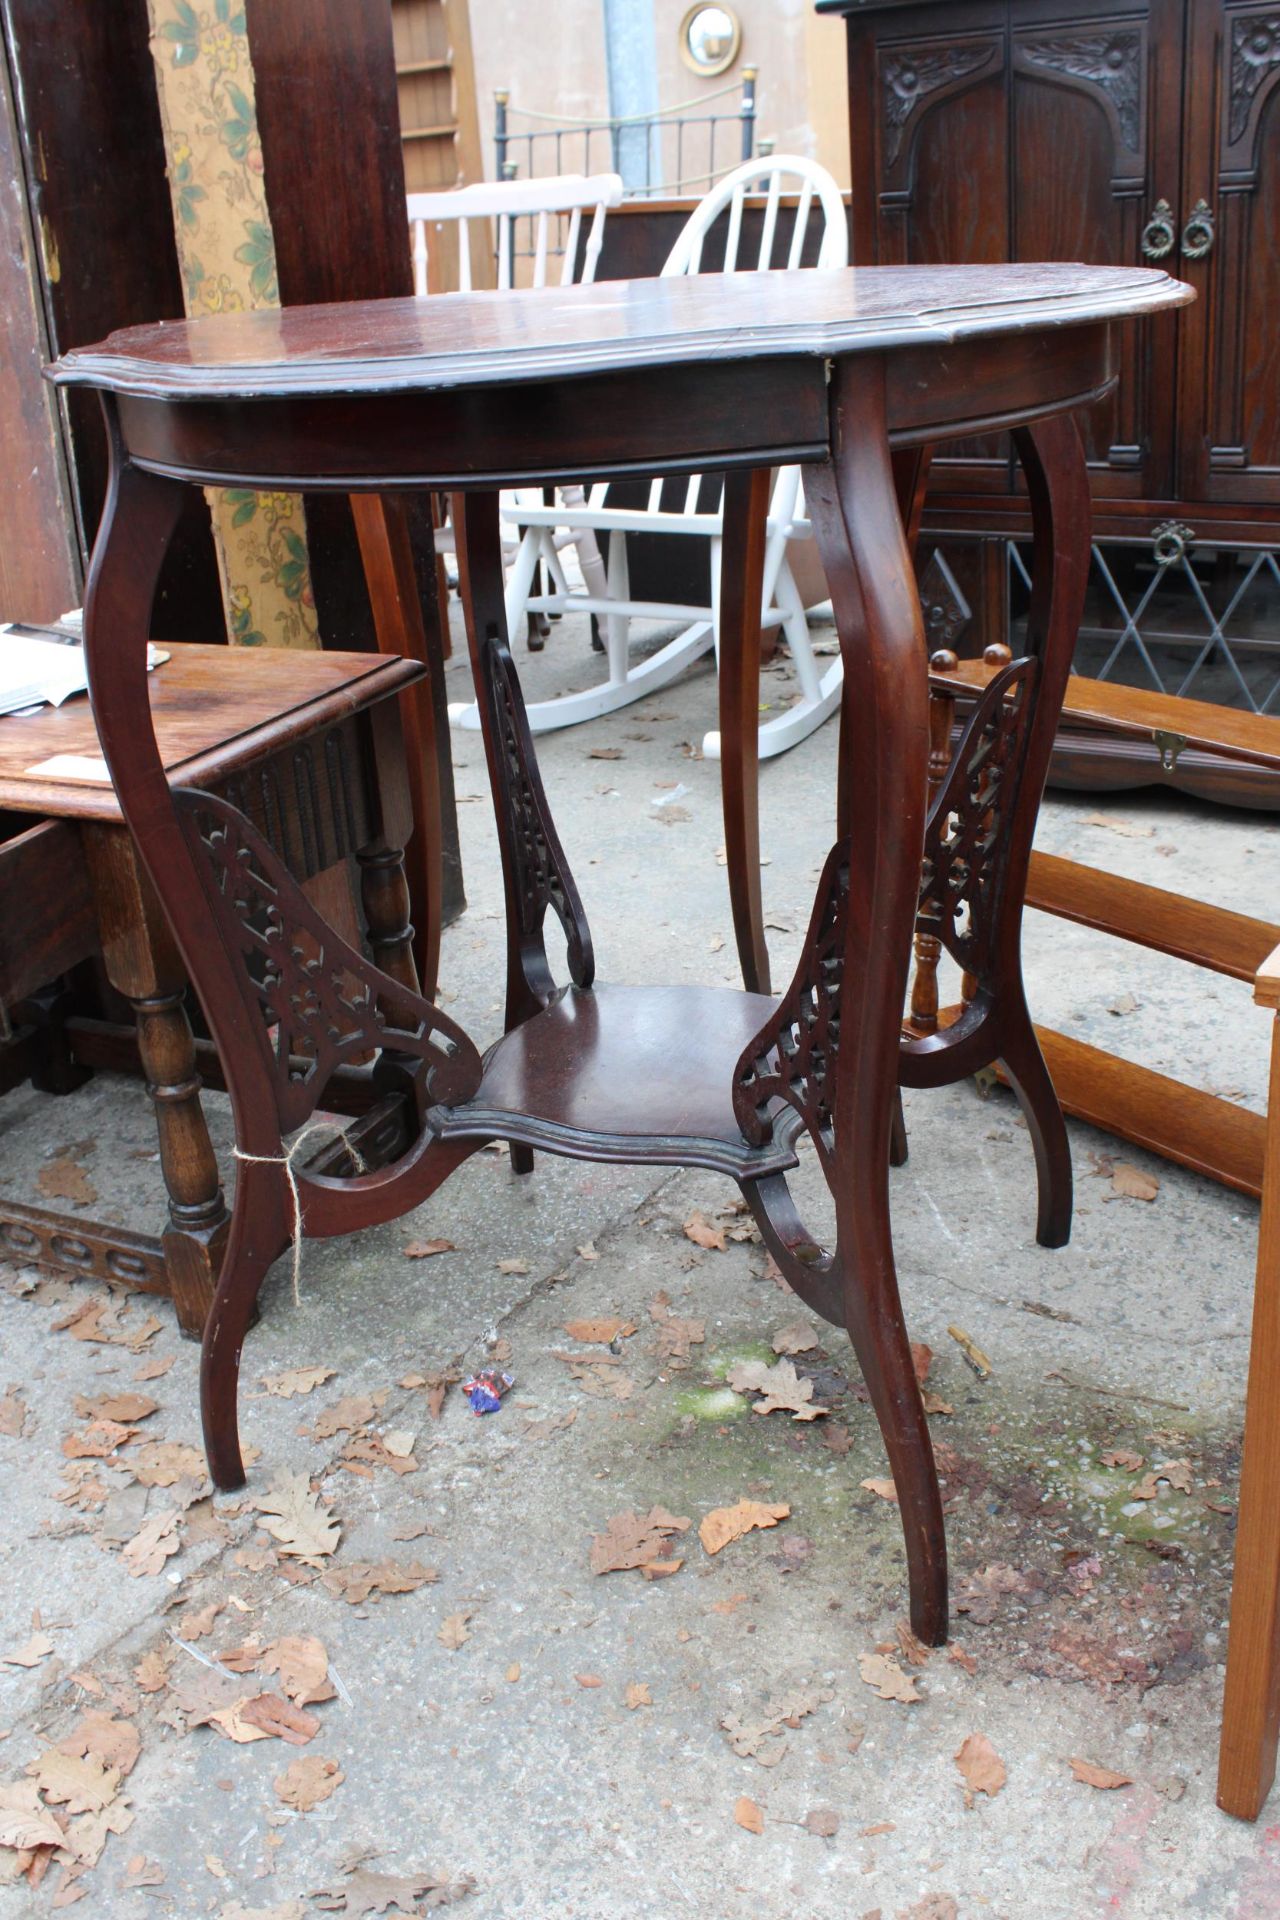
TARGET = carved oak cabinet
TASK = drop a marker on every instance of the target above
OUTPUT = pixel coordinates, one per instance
(994, 130)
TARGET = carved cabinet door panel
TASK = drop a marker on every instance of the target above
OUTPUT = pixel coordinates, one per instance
(1094, 141)
(1229, 250)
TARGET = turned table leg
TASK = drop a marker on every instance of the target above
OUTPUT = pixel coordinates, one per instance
(143, 964)
(1251, 1707)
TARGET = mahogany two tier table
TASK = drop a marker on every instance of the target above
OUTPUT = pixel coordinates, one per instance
(845, 372)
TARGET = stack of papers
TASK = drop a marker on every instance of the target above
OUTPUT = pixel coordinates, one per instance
(43, 666)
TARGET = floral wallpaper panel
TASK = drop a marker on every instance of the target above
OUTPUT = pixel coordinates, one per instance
(204, 78)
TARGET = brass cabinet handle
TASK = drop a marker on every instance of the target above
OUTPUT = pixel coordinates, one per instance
(1160, 236)
(1199, 233)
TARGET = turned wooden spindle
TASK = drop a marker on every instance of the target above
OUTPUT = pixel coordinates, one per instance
(928, 947)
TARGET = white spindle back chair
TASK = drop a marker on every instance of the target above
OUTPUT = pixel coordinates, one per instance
(818, 196)
(506, 201)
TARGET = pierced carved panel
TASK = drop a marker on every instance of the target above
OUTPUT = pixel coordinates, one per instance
(966, 832)
(320, 1003)
(1110, 60)
(1255, 55)
(541, 871)
(908, 75)
(794, 1056)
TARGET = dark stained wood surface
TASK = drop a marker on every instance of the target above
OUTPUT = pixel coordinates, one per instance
(479, 339)
(215, 709)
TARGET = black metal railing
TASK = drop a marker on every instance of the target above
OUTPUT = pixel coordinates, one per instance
(651, 151)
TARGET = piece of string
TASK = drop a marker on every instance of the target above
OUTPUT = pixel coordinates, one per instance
(286, 1161)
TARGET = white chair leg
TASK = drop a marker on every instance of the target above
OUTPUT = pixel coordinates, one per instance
(617, 626)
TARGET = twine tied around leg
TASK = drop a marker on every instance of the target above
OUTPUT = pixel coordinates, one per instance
(286, 1161)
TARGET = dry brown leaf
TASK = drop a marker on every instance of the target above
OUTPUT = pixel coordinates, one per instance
(962, 1658)
(141, 1872)
(1131, 1183)
(836, 1438)
(883, 1489)
(638, 1695)
(296, 1521)
(13, 1415)
(588, 1680)
(635, 1540)
(796, 1337)
(979, 1594)
(981, 1768)
(63, 1179)
(781, 1388)
(194, 1626)
(160, 1463)
(513, 1266)
(307, 1781)
(725, 1524)
(302, 1666)
(155, 1367)
(116, 1743)
(353, 1411)
(704, 1232)
(296, 1380)
(1101, 1777)
(913, 1651)
(588, 1251)
(824, 1822)
(675, 1335)
(512, 1673)
(934, 1403)
(749, 1815)
(273, 1715)
(887, 1677)
(98, 1441)
(30, 1653)
(153, 1544)
(760, 1736)
(600, 1333)
(1122, 1457)
(454, 1629)
(369, 1579)
(365, 1892)
(152, 1671)
(79, 1782)
(921, 1360)
(125, 1407)
(25, 1822)
(427, 1249)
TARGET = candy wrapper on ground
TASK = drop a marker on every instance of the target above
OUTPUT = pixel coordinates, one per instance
(485, 1391)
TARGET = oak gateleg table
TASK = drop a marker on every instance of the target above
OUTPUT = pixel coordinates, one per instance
(844, 372)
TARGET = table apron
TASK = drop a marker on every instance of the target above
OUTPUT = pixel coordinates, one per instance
(649, 421)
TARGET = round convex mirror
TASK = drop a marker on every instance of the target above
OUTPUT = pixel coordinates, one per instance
(709, 39)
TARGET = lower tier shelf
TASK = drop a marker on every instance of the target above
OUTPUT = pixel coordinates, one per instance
(630, 1074)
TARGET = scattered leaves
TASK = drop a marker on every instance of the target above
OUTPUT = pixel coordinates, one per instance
(981, 1768)
(795, 1338)
(1131, 1183)
(369, 1579)
(296, 1521)
(31, 1653)
(760, 1736)
(878, 1670)
(749, 1815)
(161, 1463)
(454, 1630)
(781, 1388)
(302, 1666)
(638, 1695)
(601, 1333)
(980, 1594)
(675, 1335)
(153, 1544)
(823, 1822)
(63, 1179)
(13, 1415)
(427, 1249)
(635, 1540)
(296, 1380)
(307, 1781)
(365, 1892)
(1102, 1777)
(725, 1524)
(513, 1266)
(125, 1407)
(883, 1489)
(704, 1233)
(1122, 1457)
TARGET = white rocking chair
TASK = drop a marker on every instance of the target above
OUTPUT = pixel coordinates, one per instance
(546, 528)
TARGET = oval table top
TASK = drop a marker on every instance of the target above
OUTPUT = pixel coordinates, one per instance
(467, 340)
